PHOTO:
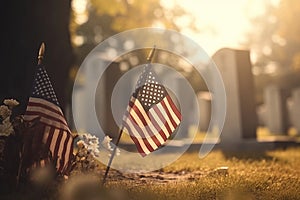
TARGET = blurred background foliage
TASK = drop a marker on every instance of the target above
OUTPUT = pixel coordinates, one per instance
(274, 42)
(273, 39)
(95, 20)
(275, 36)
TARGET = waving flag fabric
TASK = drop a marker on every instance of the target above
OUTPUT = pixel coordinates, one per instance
(57, 136)
(151, 116)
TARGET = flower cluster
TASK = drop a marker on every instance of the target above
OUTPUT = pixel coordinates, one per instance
(84, 160)
(106, 143)
(6, 127)
(88, 150)
(91, 143)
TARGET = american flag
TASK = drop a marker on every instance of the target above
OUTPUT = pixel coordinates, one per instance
(57, 136)
(151, 116)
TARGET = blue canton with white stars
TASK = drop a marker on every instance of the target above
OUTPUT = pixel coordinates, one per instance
(148, 89)
(42, 87)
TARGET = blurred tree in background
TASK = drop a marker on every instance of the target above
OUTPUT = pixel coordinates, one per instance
(25, 25)
(275, 38)
(96, 20)
(28, 23)
(288, 48)
(275, 46)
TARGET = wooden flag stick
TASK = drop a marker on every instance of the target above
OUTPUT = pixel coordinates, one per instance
(149, 59)
(41, 53)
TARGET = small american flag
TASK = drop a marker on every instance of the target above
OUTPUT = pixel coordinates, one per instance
(57, 136)
(151, 116)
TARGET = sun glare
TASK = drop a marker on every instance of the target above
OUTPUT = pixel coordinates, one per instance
(220, 23)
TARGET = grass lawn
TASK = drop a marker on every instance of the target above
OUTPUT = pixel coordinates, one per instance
(270, 175)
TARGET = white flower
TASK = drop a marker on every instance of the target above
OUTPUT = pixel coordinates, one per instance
(80, 144)
(91, 143)
(106, 143)
(6, 127)
(5, 112)
(118, 152)
(11, 103)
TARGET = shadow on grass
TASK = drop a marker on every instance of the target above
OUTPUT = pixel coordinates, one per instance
(247, 155)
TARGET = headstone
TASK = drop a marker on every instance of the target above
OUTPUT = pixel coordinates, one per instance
(241, 119)
(261, 115)
(188, 106)
(295, 109)
(97, 91)
(90, 82)
(186, 100)
(103, 100)
(276, 110)
(79, 108)
(204, 101)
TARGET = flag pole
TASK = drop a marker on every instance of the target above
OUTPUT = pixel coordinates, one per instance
(40, 61)
(151, 54)
(41, 53)
(149, 59)
(112, 157)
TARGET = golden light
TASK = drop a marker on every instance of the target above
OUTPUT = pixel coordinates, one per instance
(79, 8)
(220, 23)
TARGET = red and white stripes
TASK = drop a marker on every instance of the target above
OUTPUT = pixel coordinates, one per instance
(150, 129)
(50, 113)
(57, 135)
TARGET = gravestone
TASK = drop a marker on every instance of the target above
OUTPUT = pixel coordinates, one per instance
(295, 109)
(186, 100)
(79, 108)
(276, 110)
(261, 115)
(89, 121)
(204, 101)
(183, 93)
(241, 119)
(103, 100)
(97, 92)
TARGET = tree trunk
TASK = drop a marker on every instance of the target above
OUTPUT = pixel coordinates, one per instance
(25, 24)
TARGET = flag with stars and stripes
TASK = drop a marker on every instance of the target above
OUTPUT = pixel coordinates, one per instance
(57, 136)
(151, 116)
